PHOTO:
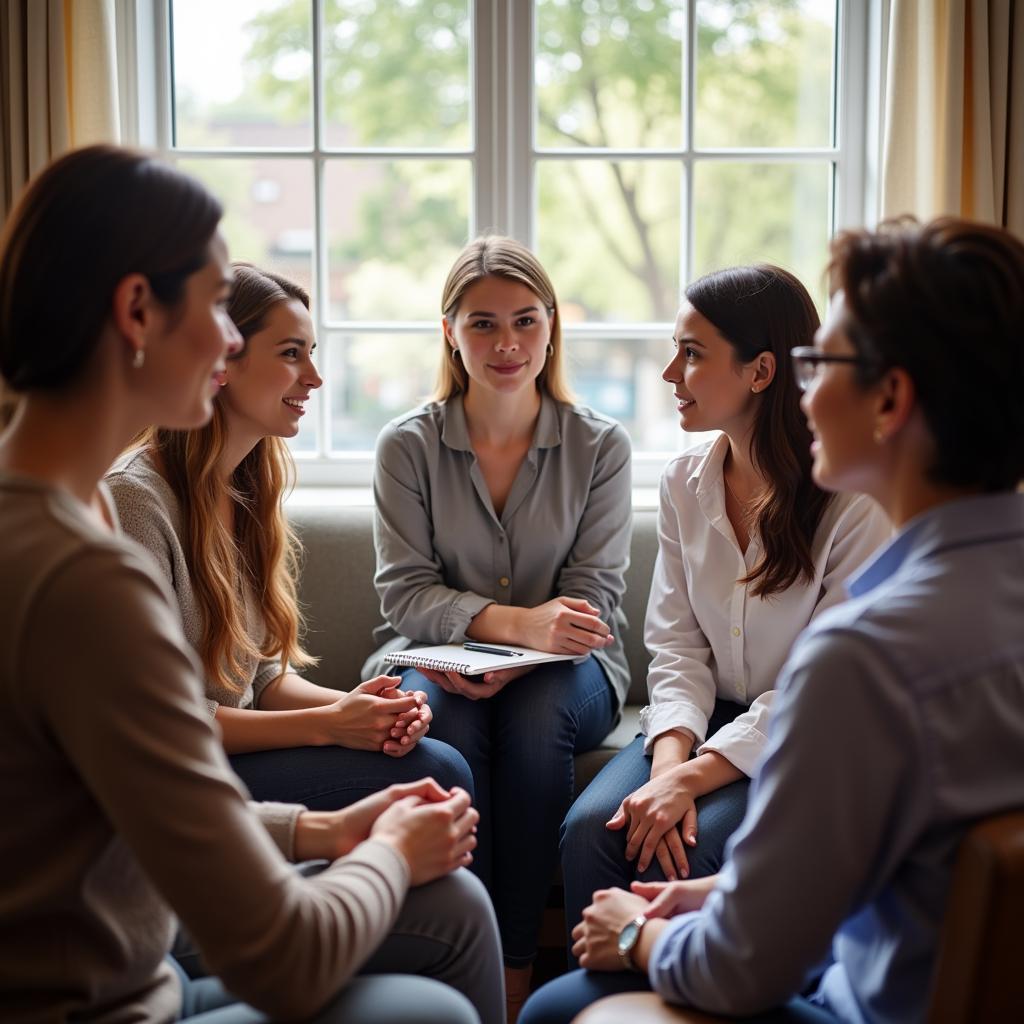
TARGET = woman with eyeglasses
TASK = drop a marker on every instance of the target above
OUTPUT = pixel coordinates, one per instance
(900, 718)
(750, 550)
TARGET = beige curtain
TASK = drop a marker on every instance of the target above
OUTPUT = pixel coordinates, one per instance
(58, 84)
(954, 118)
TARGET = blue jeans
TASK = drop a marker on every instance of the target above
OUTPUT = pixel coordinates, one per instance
(594, 857)
(329, 778)
(560, 1000)
(520, 746)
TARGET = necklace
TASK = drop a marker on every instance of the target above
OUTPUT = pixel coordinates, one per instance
(746, 507)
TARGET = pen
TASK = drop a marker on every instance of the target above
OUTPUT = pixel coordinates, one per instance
(487, 649)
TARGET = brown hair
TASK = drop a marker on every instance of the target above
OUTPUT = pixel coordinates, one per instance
(497, 256)
(945, 302)
(757, 309)
(263, 552)
(91, 218)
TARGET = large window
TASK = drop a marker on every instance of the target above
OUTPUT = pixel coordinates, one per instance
(635, 144)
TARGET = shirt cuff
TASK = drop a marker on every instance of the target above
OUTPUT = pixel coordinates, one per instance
(665, 967)
(461, 612)
(656, 719)
(741, 745)
(280, 820)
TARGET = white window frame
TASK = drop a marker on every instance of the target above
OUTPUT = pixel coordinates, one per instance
(504, 156)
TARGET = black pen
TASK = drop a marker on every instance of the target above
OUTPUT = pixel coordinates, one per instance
(485, 649)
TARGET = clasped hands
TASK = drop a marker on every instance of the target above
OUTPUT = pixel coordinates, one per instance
(377, 715)
(596, 937)
(563, 625)
(432, 829)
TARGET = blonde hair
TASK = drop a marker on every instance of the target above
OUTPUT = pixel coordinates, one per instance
(497, 256)
(263, 553)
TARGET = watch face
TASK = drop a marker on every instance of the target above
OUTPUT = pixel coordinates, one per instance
(628, 936)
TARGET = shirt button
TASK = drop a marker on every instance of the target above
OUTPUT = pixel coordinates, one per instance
(735, 630)
(503, 582)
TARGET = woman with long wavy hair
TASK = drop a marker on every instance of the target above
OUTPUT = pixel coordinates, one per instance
(207, 504)
(750, 549)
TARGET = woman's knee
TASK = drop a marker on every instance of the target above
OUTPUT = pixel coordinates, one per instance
(389, 997)
(445, 764)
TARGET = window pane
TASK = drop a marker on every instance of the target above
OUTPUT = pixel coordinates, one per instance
(242, 73)
(305, 440)
(375, 377)
(609, 72)
(394, 228)
(268, 218)
(608, 234)
(396, 74)
(764, 73)
(774, 212)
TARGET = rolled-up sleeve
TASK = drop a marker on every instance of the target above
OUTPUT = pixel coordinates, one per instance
(415, 600)
(680, 682)
(596, 567)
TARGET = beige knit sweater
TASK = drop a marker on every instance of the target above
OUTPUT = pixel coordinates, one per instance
(119, 804)
(150, 514)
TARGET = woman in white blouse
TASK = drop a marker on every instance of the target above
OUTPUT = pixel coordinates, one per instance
(750, 549)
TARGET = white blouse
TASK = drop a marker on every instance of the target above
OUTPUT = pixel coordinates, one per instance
(708, 636)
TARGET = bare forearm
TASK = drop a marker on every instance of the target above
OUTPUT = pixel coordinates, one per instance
(708, 772)
(244, 731)
(670, 750)
(290, 692)
(497, 623)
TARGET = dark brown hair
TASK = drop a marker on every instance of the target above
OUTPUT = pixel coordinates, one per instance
(263, 551)
(758, 309)
(92, 217)
(945, 302)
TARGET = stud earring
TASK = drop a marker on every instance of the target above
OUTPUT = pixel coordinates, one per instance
(879, 436)
(139, 359)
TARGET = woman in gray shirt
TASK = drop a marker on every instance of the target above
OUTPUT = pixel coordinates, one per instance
(503, 516)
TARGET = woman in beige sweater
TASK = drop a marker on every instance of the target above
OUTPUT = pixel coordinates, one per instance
(125, 807)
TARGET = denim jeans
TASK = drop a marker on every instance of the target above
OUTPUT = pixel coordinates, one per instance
(328, 778)
(594, 857)
(520, 746)
(561, 1000)
(445, 945)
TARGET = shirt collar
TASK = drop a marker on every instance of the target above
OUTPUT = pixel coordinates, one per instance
(965, 522)
(707, 474)
(455, 432)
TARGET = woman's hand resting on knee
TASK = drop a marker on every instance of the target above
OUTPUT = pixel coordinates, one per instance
(670, 898)
(433, 829)
(433, 836)
(657, 817)
(366, 718)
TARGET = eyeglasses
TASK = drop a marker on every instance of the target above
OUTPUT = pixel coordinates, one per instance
(807, 359)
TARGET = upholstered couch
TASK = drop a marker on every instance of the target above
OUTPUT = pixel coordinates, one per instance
(342, 608)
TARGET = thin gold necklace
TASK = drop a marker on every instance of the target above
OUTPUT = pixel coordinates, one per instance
(746, 507)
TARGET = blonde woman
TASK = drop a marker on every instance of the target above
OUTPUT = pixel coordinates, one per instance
(503, 514)
(206, 503)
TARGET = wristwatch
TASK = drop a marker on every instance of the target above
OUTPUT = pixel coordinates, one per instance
(628, 938)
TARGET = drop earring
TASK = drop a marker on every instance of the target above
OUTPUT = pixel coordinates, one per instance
(139, 359)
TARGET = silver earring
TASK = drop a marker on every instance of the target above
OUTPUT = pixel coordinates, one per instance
(456, 354)
(139, 359)
(550, 350)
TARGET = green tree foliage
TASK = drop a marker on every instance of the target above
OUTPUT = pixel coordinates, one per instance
(610, 73)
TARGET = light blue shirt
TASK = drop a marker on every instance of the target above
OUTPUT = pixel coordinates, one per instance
(899, 722)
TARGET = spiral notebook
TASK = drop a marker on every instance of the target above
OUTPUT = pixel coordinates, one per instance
(455, 658)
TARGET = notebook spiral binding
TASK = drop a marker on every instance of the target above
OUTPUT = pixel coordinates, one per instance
(434, 664)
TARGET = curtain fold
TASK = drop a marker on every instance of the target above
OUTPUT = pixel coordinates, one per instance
(58, 84)
(954, 118)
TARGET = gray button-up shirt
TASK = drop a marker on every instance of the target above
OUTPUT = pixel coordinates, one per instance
(899, 722)
(443, 554)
